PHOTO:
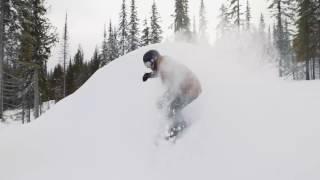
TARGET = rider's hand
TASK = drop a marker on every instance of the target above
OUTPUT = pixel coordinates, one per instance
(146, 76)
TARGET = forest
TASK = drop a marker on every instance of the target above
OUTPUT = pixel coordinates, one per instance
(27, 37)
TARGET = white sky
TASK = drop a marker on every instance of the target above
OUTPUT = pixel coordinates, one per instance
(87, 18)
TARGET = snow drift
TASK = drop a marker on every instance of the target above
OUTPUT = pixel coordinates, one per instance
(247, 124)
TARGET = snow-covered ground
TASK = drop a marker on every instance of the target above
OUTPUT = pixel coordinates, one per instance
(247, 124)
(14, 116)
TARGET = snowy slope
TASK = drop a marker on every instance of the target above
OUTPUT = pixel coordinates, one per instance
(247, 124)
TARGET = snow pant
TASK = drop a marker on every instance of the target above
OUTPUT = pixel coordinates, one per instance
(177, 105)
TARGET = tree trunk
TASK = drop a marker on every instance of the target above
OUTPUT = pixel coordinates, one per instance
(23, 109)
(1, 56)
(280, 67)
(313, 69)
(36, 93)
(307, 70)
(319, 66)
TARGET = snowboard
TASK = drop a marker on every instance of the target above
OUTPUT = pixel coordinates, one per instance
(175, 131)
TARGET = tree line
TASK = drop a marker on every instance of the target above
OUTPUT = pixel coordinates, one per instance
(27, 37)
(295, 33)
(118, 40)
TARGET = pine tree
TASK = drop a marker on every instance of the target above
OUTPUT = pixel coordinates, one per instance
(134, 41)
(155, 34)
(186, 15)
(304, 41)
(248, 16)
(70, 79)
(181, 21)
(281, 9)
(262, 25)
(65, 47)
(44, 39)
(203, 23)
(116, 44)
(95, 62)
(78, 68)
(12, 30)
(224, 24)
(123, 29)
(104, 49)
(179, 15)
(57, 83)
(235, 12)
(113, 45)
(145, 38)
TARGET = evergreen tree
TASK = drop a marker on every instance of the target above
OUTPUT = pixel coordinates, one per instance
(70, 79)
(235, 12)
(95, 62)
(304, 41)
(57, 83)
(134, 41)
(248, 15)
(123, 29)
(113, 45)
(203, 23)
(145, 38)
(116, 44)
(78, 68)
(65, 47)
(186, 15)
(155, 34)
(44, 38)
(181, 21)
(12, 31)
(262, 25)
(281, 9)
(224, 24)
(104, 49)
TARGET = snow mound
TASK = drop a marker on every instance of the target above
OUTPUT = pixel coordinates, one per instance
(247, 124)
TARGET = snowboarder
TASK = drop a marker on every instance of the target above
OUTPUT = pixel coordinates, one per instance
(182, 87)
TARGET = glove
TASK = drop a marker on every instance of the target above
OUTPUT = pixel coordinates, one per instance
(146, 76)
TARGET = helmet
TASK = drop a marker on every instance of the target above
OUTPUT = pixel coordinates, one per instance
(150, 58)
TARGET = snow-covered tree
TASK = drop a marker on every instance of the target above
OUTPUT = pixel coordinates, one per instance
(95, 62)
(235, 12)
(65, 47)
(104, 48)
(203, 23)
(113, 44)
(134, 41)
(281, 9)
(224, 24)
(145, 38)
(248, 16)
(123, 29)
(155, 28)
(304, 43)
(262, 24)
(181, 18)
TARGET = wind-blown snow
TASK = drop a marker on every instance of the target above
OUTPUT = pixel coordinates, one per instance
(247, 124)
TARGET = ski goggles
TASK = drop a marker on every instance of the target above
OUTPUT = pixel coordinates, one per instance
(149, 64)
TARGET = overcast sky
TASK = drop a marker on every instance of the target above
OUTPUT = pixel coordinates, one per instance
(86, 18)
